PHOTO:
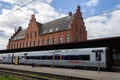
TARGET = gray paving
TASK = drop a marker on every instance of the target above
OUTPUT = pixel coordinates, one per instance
(68, 72)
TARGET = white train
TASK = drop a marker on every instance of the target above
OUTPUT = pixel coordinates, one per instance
(87, 57)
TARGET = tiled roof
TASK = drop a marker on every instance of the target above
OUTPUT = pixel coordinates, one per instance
(20, 35)
(49, 27)
(56, 25)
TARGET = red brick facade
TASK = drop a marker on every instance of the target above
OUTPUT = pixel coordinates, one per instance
(76, 31)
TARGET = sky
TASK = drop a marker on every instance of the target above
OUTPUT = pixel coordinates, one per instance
(101, 17)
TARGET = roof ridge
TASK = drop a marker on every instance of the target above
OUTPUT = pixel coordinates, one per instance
(57, 19)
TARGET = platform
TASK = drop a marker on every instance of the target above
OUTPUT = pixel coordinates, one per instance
(89, 74)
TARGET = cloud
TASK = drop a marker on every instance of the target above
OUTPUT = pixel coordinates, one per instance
(41, 8)
(106, 25)
(91, 3)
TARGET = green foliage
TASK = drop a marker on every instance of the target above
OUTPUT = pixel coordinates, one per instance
(7, 77)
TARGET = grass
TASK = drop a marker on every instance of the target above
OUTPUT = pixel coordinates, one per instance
(30, 75)
(8, 77)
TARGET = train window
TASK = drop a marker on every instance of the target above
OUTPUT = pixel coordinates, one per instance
(57, 57)
(49, 57)
(74, 57)
(27, 57)
(65, 57)
(84, 57)
(116, 56)
(37, 57)
(43, 57)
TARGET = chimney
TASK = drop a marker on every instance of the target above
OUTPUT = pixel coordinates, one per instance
(33, 16)
(70, 13)
(20, 28)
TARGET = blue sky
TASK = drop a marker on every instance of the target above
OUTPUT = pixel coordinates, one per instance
(99, 26)
(64, 6)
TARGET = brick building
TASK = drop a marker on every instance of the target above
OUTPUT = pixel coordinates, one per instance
(63, 30)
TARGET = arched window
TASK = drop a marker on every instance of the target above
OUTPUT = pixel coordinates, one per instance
(35, 34)
(26, 44)
(39, 42)
(30, 44)
(44, 42)
(23, 45)
(49, 41)
(35, 43)
(27, 35)
(20, 45)
(60, 39)
(67, 38)
(54, 40)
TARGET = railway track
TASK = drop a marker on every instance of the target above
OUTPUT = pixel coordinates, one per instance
(27, 75)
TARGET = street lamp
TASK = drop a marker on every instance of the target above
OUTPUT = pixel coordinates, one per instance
(25, 57)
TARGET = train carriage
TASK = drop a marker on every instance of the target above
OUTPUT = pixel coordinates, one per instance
(86, 57)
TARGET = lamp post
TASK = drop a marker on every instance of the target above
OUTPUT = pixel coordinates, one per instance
(25, 57)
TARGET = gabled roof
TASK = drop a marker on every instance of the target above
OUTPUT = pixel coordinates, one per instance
(56, 25)
(49, 27)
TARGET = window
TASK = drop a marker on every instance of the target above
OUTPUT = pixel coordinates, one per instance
(23, 44)
(84, 57)
(80, 31)
(39, 42)
(44, 42)
(35, 34)
(30, 44)
(27, 35)
(49, 41)
(26, 44)
(14, 46)
(76, 57)
(75, 38)
(54, 40)
(61, 38)
(67, 38)
(57, 57)
(20, 45)
(35, 43)
(116, 56)
(65, 57)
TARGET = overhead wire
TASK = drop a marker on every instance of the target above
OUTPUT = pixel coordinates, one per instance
(108, 11)
(16, 9)
(12, 12)
(33, 0)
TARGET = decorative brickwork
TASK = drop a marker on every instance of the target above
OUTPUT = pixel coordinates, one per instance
(64, 30)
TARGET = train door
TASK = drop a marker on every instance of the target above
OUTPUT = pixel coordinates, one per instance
(12, 58)
(57, 58)
(16, 60)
